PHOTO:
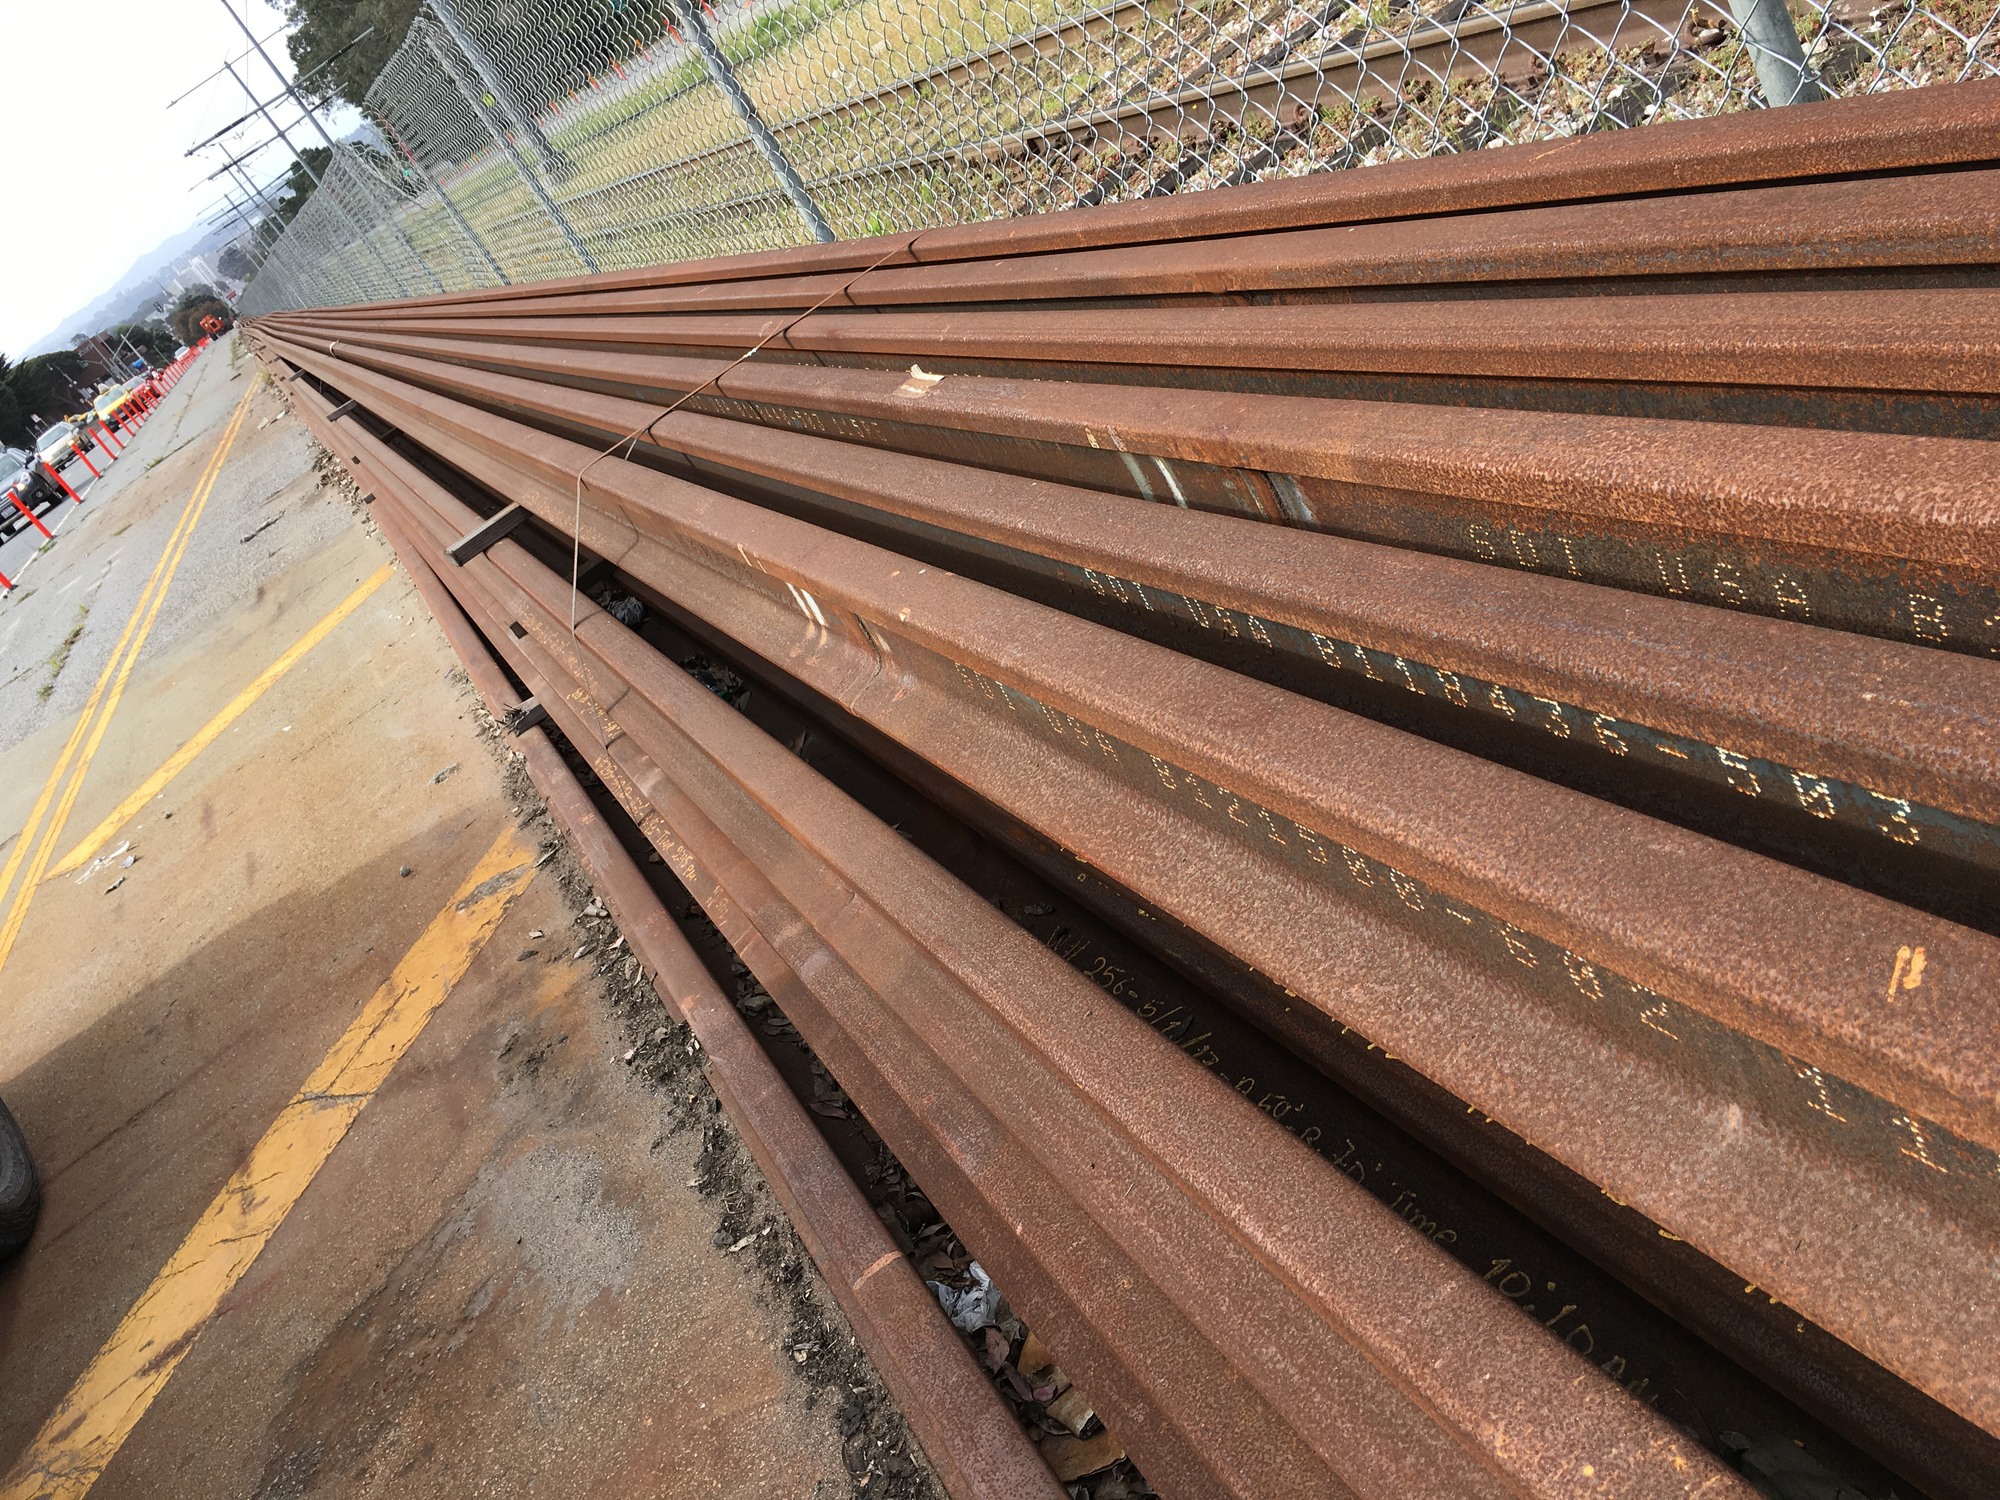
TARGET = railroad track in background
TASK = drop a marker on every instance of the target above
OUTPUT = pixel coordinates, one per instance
(1275, 80)
(1384, 785)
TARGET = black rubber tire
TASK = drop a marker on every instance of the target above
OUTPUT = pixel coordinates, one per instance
(20, 1187)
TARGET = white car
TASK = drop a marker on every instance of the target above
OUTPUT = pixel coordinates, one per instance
(59, 445)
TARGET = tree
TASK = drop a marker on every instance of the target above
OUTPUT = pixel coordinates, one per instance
(13, 421)
(49, 386)
(308, 164)
(195, 304)
(154, 341)
(97, 357)
(565, 45)
(323, 27)
(235, 261)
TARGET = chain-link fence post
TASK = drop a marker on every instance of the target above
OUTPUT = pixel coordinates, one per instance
(493, 88)
(1775, 52)
(451, 209)
(477, 99)
(725, 79)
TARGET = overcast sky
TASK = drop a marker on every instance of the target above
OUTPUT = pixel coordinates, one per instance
(98, 172)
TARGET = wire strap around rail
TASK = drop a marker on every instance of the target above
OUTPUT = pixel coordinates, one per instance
(631, 439)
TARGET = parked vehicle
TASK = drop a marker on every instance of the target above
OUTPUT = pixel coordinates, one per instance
(20, 1187)
(60, 444)
(22, 474)
(110, 403)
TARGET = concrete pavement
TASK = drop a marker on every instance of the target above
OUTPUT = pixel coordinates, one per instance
(498, 1279)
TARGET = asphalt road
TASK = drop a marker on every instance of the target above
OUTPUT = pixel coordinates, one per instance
(17, 552)
(88, 580)
(479, 1266)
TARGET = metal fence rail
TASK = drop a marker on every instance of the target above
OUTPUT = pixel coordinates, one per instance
(526, 139)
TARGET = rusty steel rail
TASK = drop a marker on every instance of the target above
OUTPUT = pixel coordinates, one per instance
(1631, 351)
(968, 1434)
(1689, 968)
(1525, 620)
(1925, 1441)
(1882, 740)
(1932, 128)
(1169, 1256)
(1788, 522)
(1884, 224)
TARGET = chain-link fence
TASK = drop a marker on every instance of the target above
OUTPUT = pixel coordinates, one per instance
(526, 139)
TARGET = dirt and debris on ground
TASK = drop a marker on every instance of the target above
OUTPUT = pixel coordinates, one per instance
(500, 1280)
(880, 1458)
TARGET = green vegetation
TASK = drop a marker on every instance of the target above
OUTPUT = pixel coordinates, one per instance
(48, 386)
(308, 164)
(902, 114)
(196, 303)
(155, 341)
(322, 27)
(60, 657)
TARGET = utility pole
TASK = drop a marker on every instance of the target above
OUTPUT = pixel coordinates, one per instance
(242, 217)
(352, 287)
(276, 129)
(332, 148)
(252, 228)
(319, 183)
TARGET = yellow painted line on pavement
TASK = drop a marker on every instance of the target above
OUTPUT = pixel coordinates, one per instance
(61, 767)
(104, 699)
(210, 732)
(71, 1451)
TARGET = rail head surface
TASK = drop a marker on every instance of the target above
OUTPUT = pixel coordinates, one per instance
(849, 670)
(1530, 615)
(1813, 702)
(972, 942)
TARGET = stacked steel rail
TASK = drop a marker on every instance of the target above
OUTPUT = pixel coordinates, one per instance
(1518, 628)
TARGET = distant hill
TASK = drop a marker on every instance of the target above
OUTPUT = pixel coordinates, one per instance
(137, 289)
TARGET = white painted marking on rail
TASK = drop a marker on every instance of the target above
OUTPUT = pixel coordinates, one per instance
(1138, 474)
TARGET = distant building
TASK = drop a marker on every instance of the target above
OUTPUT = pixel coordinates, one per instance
(195, 271)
